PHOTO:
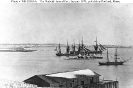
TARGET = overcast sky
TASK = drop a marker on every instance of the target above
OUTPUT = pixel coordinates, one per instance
(54, 23)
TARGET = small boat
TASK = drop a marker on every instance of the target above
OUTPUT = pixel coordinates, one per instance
(79, 57)
(95, 56)
(113, 62)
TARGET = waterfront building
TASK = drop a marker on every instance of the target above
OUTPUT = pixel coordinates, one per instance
(75, 79)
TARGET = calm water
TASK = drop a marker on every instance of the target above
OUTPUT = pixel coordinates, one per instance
(19, 66)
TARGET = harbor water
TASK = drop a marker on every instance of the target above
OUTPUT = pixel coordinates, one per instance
(18, 66)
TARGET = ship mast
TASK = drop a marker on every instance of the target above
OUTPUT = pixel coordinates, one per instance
(96, 46)
(83, 47)
(116, 55)
(82, 42)
(79, 47)
(67, 48)
(74, 46)
(107, 55)
(59, 49)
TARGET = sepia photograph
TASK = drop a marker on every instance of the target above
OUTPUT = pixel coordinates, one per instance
(66, 45)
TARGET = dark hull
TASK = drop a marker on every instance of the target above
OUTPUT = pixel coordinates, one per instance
(111, 63)
(66, 54)
(95, 57)
(91, 52)
(95, 52)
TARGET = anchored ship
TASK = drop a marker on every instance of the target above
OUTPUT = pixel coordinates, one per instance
(116, 62)
(68, 52)
(98, 48)
(81, 49)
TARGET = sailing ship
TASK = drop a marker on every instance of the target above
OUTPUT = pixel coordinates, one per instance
(81, 49)
(98, 48)
(116, 62)
(73, 52)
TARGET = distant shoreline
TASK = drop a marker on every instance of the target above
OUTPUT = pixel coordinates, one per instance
(55, 45)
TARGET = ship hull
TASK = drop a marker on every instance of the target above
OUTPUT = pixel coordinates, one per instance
(111, 63)
(95, 52)
(78, 58)
(76, 53)
(66, 54)
(95, 57)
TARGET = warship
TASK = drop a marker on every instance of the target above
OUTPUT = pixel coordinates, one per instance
(98, 48)
(80, 49)
(116, 62)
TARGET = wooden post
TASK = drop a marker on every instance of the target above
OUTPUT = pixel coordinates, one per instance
(114, 85)
(117, 84)
(104, 85)
(109, 84)
(89, 86)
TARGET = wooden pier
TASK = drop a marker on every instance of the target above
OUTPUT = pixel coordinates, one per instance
(103, 84)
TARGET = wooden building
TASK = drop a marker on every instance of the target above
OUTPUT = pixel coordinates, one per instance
(81, 78)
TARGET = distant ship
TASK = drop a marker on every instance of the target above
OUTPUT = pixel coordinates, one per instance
(98, 48)
(114, 62)
(82, 49)
(73, 52)
(17, 49)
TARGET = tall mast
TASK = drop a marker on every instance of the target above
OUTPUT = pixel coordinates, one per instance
(96, 46)
(83, 47)
(79, 47)
(59, 48)
(67, 48)
(74, 46)
(107, 55)
(116, 55)
(82, 42)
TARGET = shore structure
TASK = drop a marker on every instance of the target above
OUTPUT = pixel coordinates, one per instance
(75, 79)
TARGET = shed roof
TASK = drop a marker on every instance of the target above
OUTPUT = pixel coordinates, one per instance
(49, 79)
(73, 74)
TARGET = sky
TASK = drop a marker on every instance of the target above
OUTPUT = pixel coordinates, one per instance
(112, 24)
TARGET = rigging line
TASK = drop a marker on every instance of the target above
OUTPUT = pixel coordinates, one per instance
(127, 59)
